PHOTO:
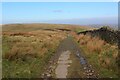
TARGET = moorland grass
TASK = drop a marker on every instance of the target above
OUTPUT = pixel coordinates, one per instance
(100, 54)
(26, 56)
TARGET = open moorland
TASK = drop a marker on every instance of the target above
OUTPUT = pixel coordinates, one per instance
(38, 50)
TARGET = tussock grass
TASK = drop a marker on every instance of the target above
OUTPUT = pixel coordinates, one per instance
(25, 54)
(101, 55)
(95, 45)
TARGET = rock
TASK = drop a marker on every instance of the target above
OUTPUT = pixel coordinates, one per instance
(93, 71)
(90, 65)
(89, 70)
(85, 68)
(50, 67)
(48, 75)
(90, 74)
(43, 74)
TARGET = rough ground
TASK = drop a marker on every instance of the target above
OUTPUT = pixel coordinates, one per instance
(68, 62)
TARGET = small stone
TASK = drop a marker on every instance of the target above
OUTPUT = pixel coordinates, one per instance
(49, 75)
(85, 68)
(93, 71)
(42, 74)
(50, 66)
(90, 74)
(89, 70)
(90, 65)
(68, 65)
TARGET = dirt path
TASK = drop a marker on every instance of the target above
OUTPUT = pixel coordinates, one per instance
(68, 62)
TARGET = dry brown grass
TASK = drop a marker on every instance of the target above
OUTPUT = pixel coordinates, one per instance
(107, 61)
(34, 27)
(115, 55)
(33, 43)
(100, 53)
(93, 44)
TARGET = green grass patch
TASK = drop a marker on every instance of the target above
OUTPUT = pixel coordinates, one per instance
(30, 68)
(79, 30)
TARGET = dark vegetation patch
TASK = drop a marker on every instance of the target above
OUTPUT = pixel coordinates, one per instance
(25, 34)
(105, 33)
(49, 29)
(64, 29)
